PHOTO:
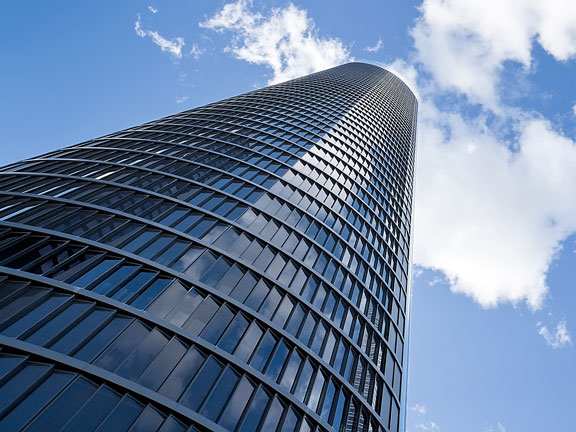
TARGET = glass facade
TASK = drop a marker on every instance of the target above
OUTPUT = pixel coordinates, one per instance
(241, 266)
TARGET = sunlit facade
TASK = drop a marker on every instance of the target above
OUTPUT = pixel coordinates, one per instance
(241, 266)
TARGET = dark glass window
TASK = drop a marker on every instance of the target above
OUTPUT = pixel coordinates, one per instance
(163, 364)
(64, 407)
(234, 333)
(36, 400)
(219, 395)
(181, 376)
(53, 327)
(263, 351)
(201, 385)
(116, 353)
(133, 366)
(150, 419)
(237, 404)
(122, 416)
(94, 411)
(43, 310)
(254, 414)
(106, 335)
(273, 415)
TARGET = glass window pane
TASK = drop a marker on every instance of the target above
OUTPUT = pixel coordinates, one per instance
(81, 330)
(123, 415)
(41, 311)
(150, 293)
(263, 352)
(273, 415)
(116, 353)
(303, 381)
(64, 407)
(57, 324)
(35, 401)
(96, 272)
(233, 333)
(173, 425)
(249, 341)
(256, 297)
(271, 303)
(113, 280)
(149, 420)
(291, 370)
(316, 391)
(244, 287)
(201, 316)
(237, 404)
(201, 385)
(254, 414)
(219, 395)
(125, 293)
(215, 273)
(278, 360)
(179, 379)
(163, 364)
(94, 411)
(103, 338)
(217, 324)
(230, 279)
(290, 421)
(142, 356)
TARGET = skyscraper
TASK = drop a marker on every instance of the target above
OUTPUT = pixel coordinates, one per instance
(241, 266)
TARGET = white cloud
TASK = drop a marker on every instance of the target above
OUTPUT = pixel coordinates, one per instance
(419, 409)
(153, 10)
(196, 51)
(285, 40)
(497, 428)
(429, 426)
(557, 338)
(574, 110)
(181, 99)
(375, 48)
(494, 191)
(489, 217)
(464, 44)
(173, 46)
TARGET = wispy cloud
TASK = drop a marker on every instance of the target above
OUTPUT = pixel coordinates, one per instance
(556, 338)
(153, 10)
(427, 426)
(285, 40)
(496, 428)
(419, 409)
(375, 48)
(196, 51)
(173, 46)
(181, 99)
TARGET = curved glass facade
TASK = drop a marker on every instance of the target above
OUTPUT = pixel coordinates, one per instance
(241, 266)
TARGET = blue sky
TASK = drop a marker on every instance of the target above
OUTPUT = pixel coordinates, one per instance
(494, 302)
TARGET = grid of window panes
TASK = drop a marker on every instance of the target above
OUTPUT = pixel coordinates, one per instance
(242, 265)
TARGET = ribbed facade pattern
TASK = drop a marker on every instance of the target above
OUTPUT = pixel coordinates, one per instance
(241, 266)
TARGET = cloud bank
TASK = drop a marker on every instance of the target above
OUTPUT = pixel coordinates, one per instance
(285, 40)
(493, 190)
